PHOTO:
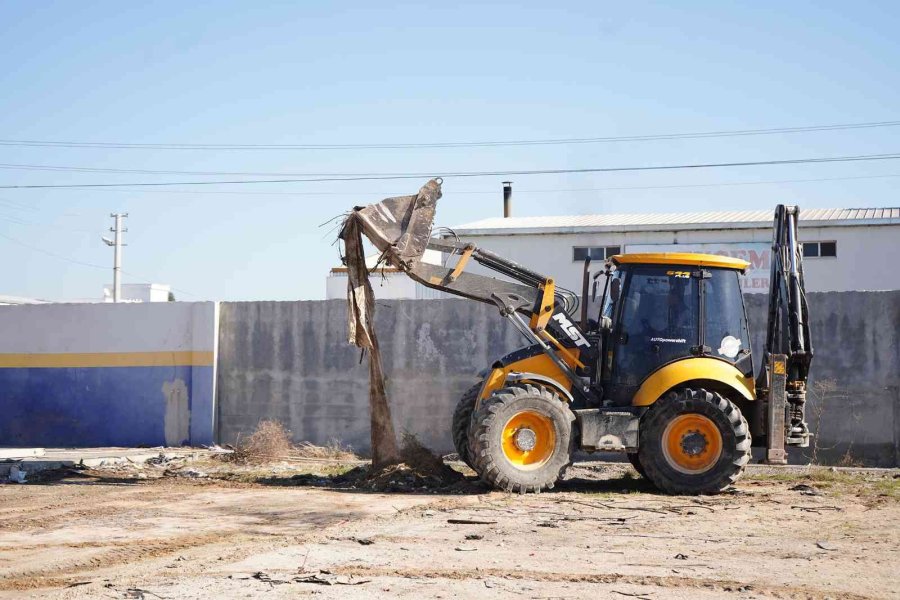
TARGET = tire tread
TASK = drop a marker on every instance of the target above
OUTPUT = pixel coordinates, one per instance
(485, 464)
(688, 400)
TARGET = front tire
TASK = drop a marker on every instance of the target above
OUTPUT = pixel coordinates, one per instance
(693, 441)
(462, 418)
(521, 438)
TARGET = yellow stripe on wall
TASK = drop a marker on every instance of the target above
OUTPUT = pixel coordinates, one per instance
(107, 359)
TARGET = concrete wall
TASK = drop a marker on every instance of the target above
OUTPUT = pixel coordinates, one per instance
(290, 361)
(145, 374)
(854, 397)
(858, 265)
(107, 374)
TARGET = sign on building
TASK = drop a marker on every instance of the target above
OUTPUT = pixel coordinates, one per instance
(758, 254)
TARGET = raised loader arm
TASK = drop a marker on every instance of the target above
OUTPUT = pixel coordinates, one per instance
(401, 230)
(782, 381)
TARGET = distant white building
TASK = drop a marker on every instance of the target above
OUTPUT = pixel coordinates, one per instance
(6, 300)
(387, 282)
(139, 292)
(844, 249)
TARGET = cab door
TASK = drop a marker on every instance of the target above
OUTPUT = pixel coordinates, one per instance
(659, 322)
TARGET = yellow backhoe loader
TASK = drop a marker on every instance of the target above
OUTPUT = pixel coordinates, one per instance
(664, 372)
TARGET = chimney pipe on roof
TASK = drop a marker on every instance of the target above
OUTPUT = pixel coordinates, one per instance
(507, 199)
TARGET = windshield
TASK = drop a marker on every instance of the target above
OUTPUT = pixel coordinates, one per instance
(659, 321)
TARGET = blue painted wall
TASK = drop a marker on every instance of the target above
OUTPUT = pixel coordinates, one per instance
(105, 406)
(117, 374)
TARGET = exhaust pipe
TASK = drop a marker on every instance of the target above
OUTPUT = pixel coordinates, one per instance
(507, 199)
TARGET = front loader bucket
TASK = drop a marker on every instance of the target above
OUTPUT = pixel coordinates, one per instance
(401, 230)
(400, 227)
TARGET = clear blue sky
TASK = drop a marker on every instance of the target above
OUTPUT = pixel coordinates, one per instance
(330, 73)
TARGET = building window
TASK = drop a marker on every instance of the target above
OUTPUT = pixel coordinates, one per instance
(579, 253)
(819, 249)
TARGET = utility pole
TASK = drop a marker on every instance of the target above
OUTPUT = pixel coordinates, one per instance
(117, 243)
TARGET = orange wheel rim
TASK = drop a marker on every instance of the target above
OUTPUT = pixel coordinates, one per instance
(528, 439)
(692, 444)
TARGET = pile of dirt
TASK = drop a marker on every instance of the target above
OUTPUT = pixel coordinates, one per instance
(403, 477)
(419, 471)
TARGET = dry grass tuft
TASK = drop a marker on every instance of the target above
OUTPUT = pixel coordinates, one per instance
(270, 441)
(333, 450)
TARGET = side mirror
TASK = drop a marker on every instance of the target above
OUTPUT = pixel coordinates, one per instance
(615, 290)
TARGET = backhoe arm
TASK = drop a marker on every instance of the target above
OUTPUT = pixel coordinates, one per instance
(788, 349)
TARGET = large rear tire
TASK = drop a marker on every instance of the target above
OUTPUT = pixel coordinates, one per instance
(462, 418)
(693, 441)
(521, 438)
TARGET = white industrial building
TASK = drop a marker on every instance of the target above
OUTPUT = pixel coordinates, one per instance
(387, 282)
(845, 248)
(139, 292)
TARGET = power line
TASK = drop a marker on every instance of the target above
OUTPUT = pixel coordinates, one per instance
(494, 192)
(17, 221)
(704, 185)
(76, 169)
(82, 263)
(69, 168)
(15, 205)
(53, 254)
(475, 144)
(396, 176)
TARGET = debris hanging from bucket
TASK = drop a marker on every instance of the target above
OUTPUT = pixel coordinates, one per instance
(399, 228)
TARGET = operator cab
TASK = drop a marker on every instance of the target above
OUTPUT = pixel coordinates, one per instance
(664, 307)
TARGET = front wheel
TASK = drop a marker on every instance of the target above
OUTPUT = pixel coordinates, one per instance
(521, 438)
(462, 418)
(693, 441)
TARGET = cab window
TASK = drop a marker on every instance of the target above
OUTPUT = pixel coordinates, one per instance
(725, 325)
(659, 321)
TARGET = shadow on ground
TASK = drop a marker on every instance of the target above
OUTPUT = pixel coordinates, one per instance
(440, 479)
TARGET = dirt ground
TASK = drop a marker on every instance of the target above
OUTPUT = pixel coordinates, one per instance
(213, 530)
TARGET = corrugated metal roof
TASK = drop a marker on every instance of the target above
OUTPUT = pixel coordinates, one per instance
(742, 219)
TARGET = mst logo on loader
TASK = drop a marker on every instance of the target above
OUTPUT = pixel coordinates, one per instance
(566, 325)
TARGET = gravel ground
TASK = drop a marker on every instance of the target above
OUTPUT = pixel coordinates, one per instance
(202, 529)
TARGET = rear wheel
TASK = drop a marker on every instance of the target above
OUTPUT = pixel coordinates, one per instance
(693, 441)
(462, 418)
(521, 438)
